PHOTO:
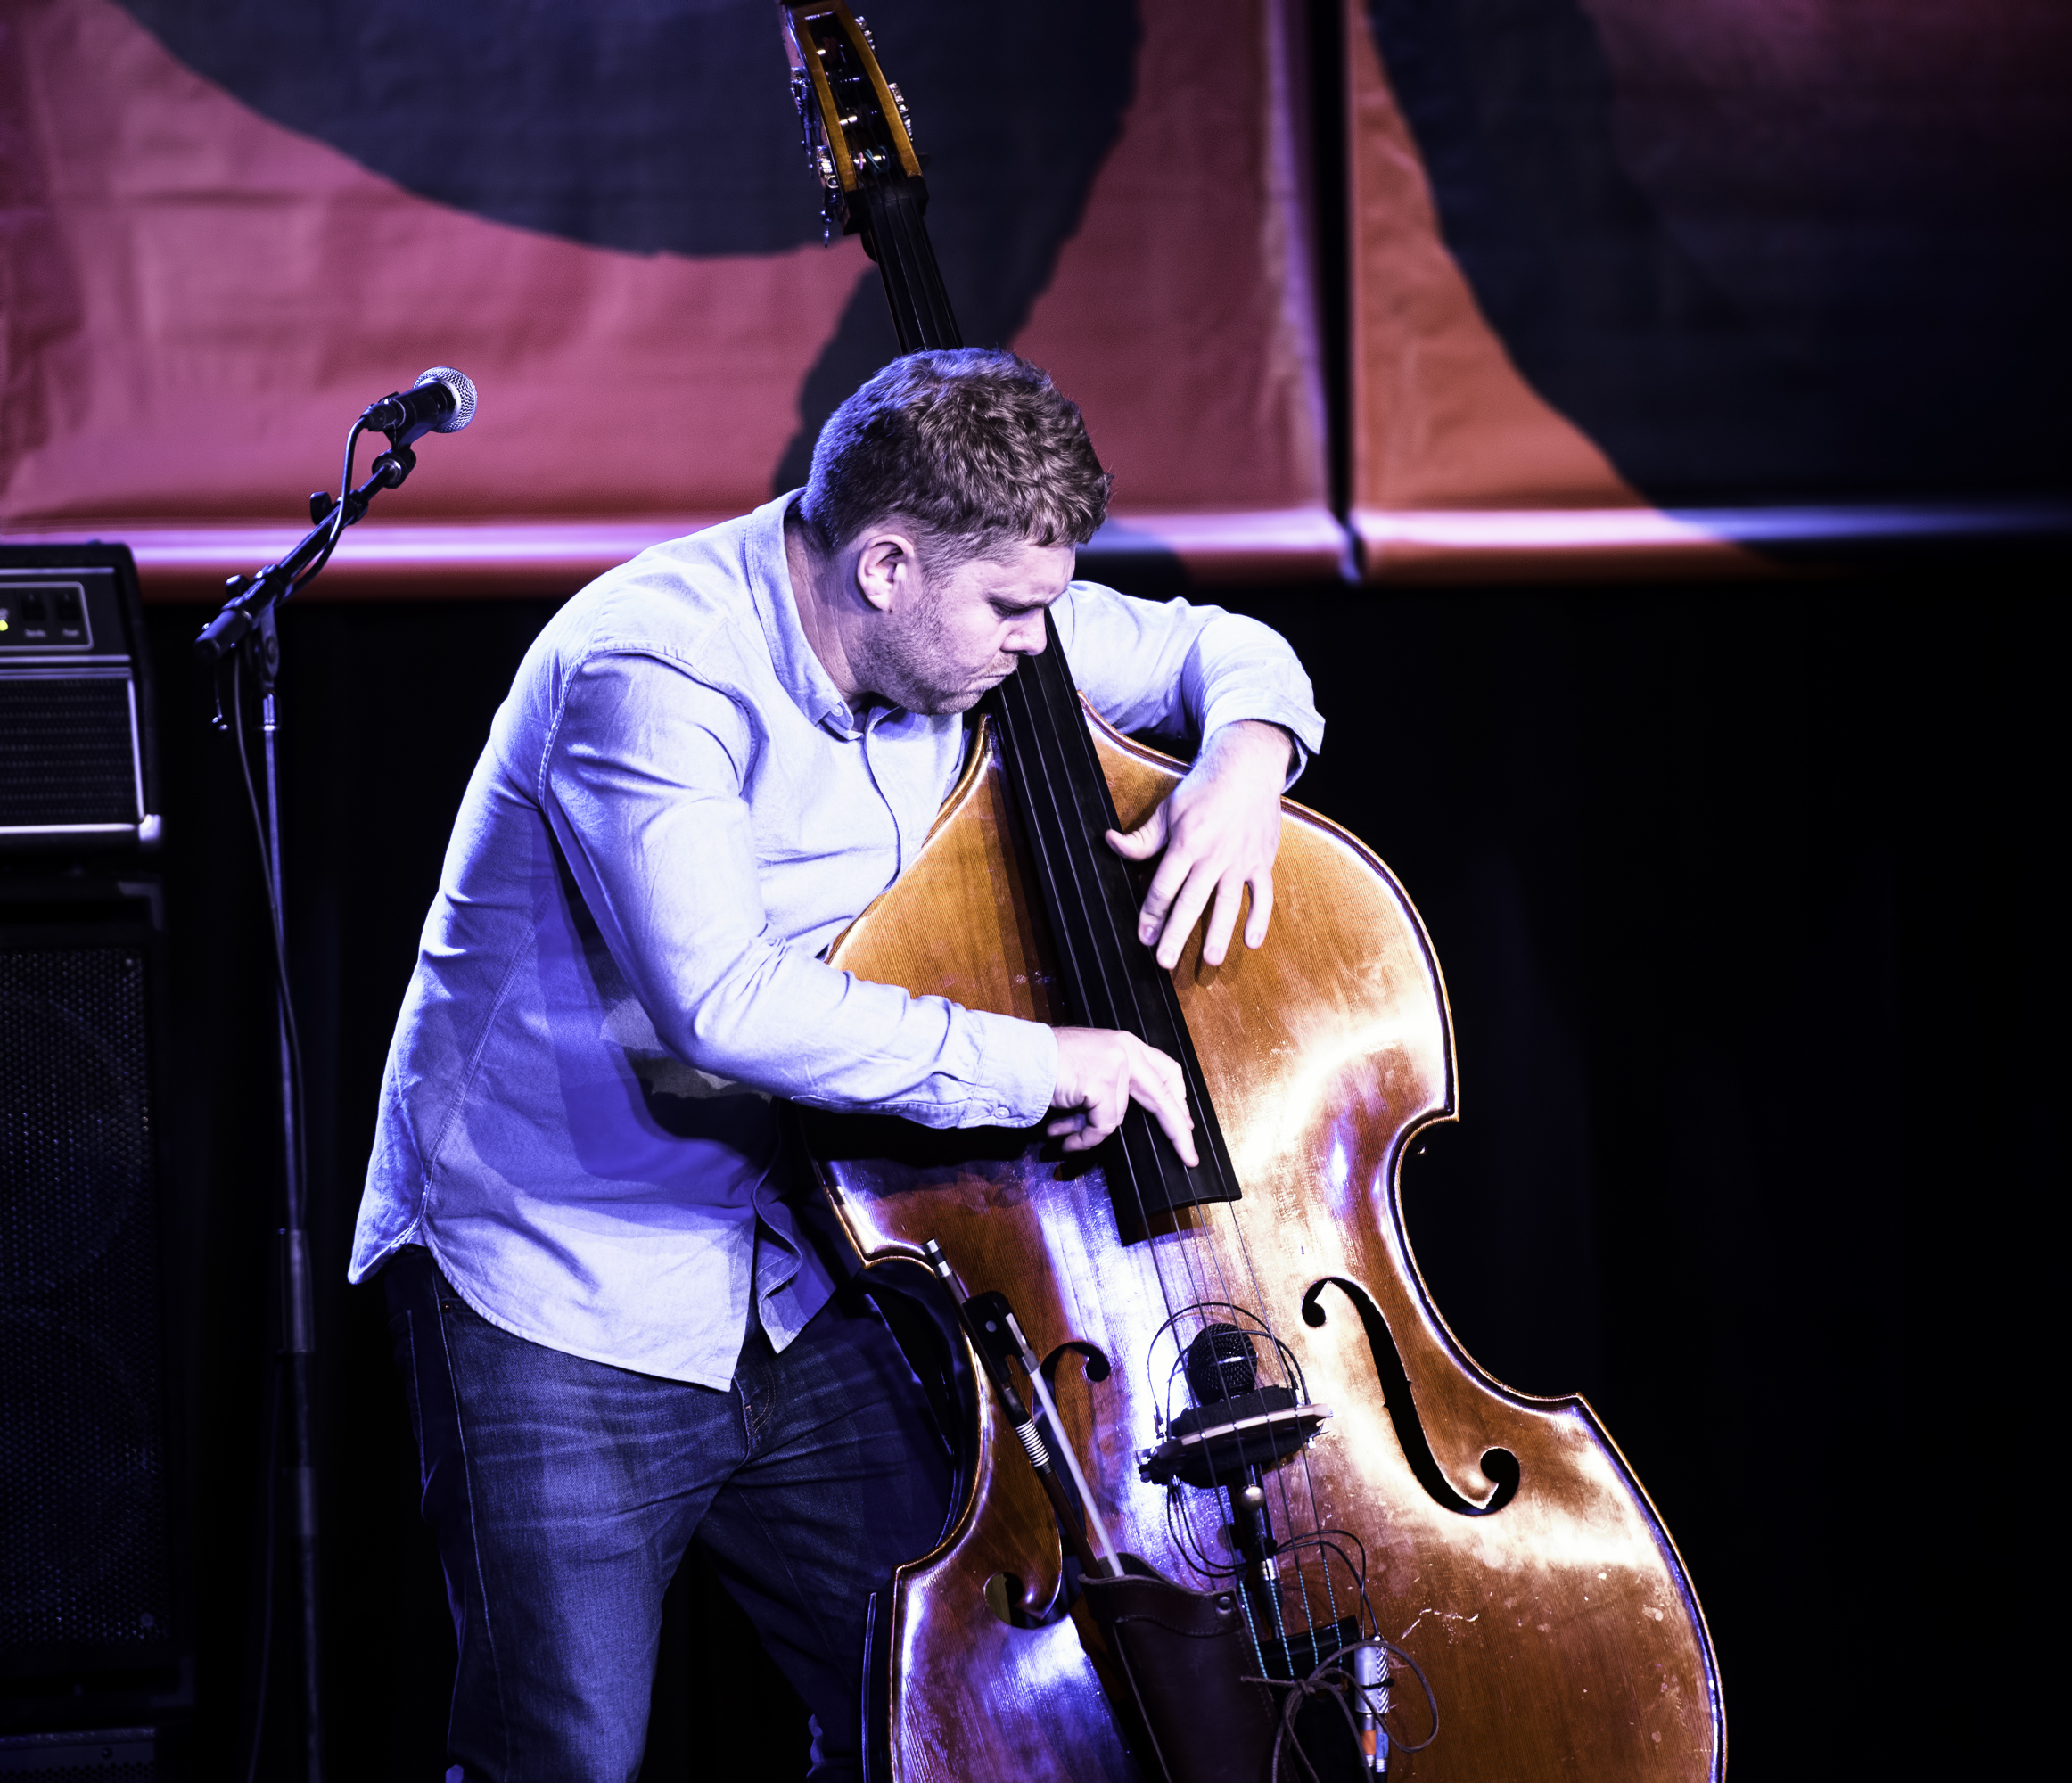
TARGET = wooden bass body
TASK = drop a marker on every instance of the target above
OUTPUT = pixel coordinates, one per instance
(1509, 1549)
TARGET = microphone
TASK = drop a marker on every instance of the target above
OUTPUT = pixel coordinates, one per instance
(441, 401)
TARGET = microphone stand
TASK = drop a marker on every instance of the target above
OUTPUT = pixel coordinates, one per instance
(246, 625)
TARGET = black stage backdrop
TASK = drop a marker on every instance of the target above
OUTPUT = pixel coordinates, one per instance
(1741, 899)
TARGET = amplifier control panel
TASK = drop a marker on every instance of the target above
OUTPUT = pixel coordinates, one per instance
(54, 613)
(76, 761)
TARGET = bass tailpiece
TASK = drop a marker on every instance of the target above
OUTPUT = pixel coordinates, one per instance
(1204, 1712)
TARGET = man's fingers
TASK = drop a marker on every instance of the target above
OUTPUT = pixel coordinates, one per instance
(1103, 1113)
(1167, 883)
(1262, 909)
(1180, 1128)
(1187, 911)
(1222, 918)
(1100, 1072)
(1161, 1087)
(1107, 1100)
(1143, 841)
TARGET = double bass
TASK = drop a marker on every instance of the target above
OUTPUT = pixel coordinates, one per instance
(1232, 1502)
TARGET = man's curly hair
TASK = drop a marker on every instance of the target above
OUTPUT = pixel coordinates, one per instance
(976, 449)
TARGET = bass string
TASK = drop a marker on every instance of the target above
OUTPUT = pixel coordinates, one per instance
(1207, 1278)
(1198, 1272)
(1208, 1284)
(1201, 1259)
(1210, 1262)
(1177, 1515)
(1047, 780)
(1198, 1303)
(1290, 1522)
(1317, 1534)
(1198, 1251)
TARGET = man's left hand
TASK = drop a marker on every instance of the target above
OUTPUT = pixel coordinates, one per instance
(1220, 829)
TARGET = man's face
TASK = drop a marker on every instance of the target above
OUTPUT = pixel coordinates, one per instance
(950, 638)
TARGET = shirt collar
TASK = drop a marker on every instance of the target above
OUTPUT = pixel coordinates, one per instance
(798, 669)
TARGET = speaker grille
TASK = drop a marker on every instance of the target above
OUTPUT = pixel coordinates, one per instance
(67, 755)
(84, 1560)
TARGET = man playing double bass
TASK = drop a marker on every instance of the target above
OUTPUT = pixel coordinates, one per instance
(616, 1333)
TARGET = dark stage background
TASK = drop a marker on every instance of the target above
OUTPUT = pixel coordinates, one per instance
(1741, 896)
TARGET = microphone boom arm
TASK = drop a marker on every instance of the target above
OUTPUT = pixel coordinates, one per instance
(253, 596)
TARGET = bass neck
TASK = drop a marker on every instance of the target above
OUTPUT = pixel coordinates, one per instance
(895, 236)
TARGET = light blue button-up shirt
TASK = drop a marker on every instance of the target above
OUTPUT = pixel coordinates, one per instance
(675, 815)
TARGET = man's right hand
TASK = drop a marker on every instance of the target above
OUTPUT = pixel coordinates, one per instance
(1100, 1071)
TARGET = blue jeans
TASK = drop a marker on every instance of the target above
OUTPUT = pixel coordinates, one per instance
(563, 1493)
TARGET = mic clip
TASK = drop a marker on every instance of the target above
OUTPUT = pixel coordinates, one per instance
(389, 414)
(393, 466)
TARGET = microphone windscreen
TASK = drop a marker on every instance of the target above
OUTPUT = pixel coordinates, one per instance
(463, 396)
(1220, 1364)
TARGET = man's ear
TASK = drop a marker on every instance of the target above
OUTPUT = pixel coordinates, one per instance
(885, 561)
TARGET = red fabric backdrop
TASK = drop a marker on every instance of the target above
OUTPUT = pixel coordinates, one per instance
(1593, 320)
(201, 300)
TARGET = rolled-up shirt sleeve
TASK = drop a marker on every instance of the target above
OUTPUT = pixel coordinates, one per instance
(1182, 670)
(643, 786)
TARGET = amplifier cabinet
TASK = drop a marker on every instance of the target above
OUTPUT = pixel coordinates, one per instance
(93, 1580)
(78, 763)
